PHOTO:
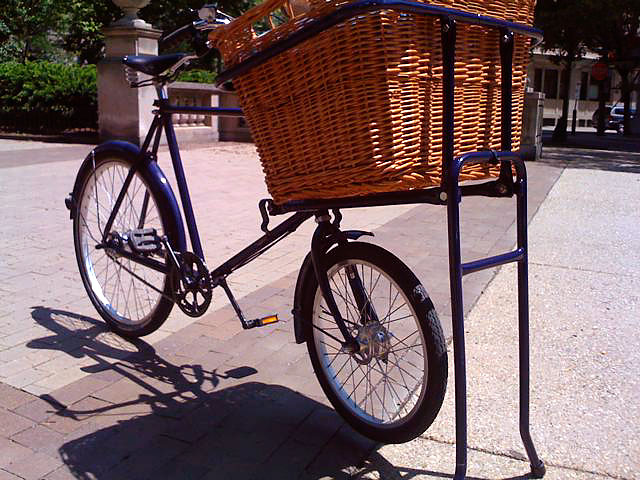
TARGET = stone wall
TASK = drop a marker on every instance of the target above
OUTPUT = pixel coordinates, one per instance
(194, 128)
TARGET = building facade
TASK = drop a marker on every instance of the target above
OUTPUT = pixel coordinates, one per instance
(547, 77)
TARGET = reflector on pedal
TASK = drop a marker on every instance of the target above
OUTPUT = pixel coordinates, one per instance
(259, 322)
(268, 320)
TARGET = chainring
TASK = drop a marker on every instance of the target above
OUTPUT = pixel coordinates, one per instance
(191, 285)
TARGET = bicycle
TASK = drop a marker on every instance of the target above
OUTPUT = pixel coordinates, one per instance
(386, 375)
(356, 305)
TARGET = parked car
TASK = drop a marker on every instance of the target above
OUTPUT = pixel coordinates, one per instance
(614, 117)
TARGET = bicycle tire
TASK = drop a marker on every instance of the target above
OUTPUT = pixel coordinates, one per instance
(368, 258)
(119, 319)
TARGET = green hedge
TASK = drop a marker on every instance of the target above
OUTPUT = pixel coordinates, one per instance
(198, 76)
(47, 97)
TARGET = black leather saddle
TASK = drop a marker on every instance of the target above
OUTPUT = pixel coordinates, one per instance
(152, 64)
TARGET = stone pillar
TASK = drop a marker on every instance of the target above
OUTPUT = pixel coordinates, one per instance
(124, 113)
(531, 140)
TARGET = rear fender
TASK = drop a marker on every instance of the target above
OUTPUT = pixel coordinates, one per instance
(151, 173)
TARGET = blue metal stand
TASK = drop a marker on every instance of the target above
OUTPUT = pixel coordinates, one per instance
(505, 185)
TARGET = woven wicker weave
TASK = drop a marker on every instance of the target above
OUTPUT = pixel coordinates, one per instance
(357, 109)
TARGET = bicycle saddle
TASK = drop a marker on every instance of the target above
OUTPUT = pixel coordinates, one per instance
(152, 64)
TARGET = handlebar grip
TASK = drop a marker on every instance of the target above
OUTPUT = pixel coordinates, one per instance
(178, 36)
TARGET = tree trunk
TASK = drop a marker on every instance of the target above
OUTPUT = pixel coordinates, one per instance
(25, 50)
(626, 99)
(560, 132)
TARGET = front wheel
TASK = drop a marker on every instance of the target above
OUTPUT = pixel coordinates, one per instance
(392, 389)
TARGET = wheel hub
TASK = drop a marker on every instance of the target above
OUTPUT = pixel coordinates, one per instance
(374, 342)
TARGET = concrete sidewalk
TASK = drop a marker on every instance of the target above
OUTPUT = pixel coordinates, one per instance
(203, 399)
(585, 306)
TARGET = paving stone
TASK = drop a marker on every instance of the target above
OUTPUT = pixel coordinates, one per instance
(291, 458)
(121, 391)
(11, 451)
(13, 367)
(39, 409)
(87, 407)
(64, 422)
(35, 390)
(229, 467)
(40, 438)
(11, 423)
(180, 470)
(35, 466)
(141, 463)
(26, 377)
(4, 475)
(11, 398)
(61, 473)
(344, 450)
(318, 427)
(79, 389)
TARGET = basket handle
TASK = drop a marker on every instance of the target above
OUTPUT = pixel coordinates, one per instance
(293, 8)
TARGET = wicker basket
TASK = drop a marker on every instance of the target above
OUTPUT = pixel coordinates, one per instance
(357, 109)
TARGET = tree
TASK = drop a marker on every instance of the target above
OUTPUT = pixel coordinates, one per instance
(85, 19)
(28, 25)
(565, 25)
(617, 39)
(82, 28)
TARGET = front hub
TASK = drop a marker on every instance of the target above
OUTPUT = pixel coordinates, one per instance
(374, 342)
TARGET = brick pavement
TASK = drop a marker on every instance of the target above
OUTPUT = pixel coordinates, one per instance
(198, 399)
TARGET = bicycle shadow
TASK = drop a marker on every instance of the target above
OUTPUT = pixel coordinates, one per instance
(188, 421)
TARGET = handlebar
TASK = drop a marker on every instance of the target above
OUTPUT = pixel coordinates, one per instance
(210, 18)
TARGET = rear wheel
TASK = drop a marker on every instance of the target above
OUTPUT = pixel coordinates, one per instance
(393, 388)
(133, 299)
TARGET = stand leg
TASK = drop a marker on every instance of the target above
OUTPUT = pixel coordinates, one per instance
(537, 466)
(457, 313)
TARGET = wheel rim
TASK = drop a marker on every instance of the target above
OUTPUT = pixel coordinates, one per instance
(385, 394)
(128, 300)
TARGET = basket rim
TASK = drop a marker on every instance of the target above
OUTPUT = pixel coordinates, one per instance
(316, 26)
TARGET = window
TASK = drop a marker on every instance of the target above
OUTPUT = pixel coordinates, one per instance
(551, 83)
(537, 80)
(593, 89)
(563, 84)
(584, 85)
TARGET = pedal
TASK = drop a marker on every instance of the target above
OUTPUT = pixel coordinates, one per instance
(144, 240)
(260, 322)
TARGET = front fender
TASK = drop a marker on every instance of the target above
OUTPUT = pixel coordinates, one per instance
(306, 275)
(306, 280)
(151, 173)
